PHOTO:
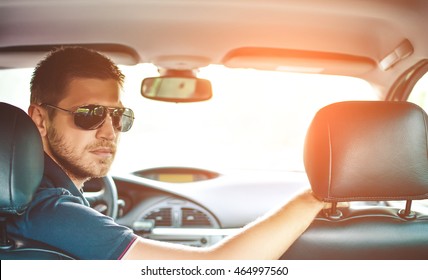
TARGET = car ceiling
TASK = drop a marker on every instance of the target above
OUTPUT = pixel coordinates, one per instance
(194, 33)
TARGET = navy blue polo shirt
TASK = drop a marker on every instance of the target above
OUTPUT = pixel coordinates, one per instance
(60, 216)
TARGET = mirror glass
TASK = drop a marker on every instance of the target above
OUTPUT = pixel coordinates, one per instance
(176, 89)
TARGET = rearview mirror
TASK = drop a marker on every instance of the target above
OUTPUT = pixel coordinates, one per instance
(176, 89)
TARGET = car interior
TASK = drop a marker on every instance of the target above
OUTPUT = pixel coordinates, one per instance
(338, 172)
(335, 91)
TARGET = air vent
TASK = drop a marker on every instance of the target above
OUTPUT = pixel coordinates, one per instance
(161, 216)
(194, 218)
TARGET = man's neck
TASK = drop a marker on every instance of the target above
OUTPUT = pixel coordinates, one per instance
(78, 182)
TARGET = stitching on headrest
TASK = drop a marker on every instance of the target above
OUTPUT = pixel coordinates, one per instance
(12, 161)
(330, 168)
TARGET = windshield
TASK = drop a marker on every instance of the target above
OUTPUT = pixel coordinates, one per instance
(255, 120)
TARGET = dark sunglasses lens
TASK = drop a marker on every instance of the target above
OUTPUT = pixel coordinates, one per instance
(123, 119)
(89, 117)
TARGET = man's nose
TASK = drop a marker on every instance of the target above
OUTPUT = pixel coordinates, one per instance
(107, 130)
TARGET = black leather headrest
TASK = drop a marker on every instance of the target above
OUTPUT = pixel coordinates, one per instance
(21, 159)
(368, 150)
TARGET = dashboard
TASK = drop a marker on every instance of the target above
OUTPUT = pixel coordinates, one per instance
(199, 207)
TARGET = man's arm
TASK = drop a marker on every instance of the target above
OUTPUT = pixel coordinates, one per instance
(266, 238)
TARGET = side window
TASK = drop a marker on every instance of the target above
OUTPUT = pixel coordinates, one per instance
(419, 94)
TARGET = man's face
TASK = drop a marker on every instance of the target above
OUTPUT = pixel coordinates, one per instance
(84, 154)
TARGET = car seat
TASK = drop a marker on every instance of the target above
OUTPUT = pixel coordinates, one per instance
(367, 153)
(21, 171)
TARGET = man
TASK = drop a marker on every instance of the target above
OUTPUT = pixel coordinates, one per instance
(75, 104)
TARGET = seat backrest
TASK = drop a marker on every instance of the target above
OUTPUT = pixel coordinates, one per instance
(21, 171)
(21, 159)
(372, 152)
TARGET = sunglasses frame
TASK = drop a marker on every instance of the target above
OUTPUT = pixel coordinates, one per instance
(111, 111)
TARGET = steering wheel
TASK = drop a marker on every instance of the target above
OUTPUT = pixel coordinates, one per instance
(104, 200)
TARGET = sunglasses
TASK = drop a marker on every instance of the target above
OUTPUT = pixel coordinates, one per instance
(90, 117)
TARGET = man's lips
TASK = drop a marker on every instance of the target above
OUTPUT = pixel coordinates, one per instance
(103, 152)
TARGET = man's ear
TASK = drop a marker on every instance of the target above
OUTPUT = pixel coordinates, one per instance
(40, 118)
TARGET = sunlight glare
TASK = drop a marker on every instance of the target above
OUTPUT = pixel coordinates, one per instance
(256, 119)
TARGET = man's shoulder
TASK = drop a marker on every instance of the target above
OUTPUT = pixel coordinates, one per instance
(51, 195)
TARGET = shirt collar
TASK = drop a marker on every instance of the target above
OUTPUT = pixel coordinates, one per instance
(55, 177)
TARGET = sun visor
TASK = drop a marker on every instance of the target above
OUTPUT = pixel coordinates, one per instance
(29, 56)
(298, 61)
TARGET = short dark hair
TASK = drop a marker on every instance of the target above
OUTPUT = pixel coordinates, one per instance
(53, 74)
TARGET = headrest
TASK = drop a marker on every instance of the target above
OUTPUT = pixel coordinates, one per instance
(368, 150)
(21, 159)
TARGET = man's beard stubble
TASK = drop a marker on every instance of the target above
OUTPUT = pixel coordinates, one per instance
(72, 163)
